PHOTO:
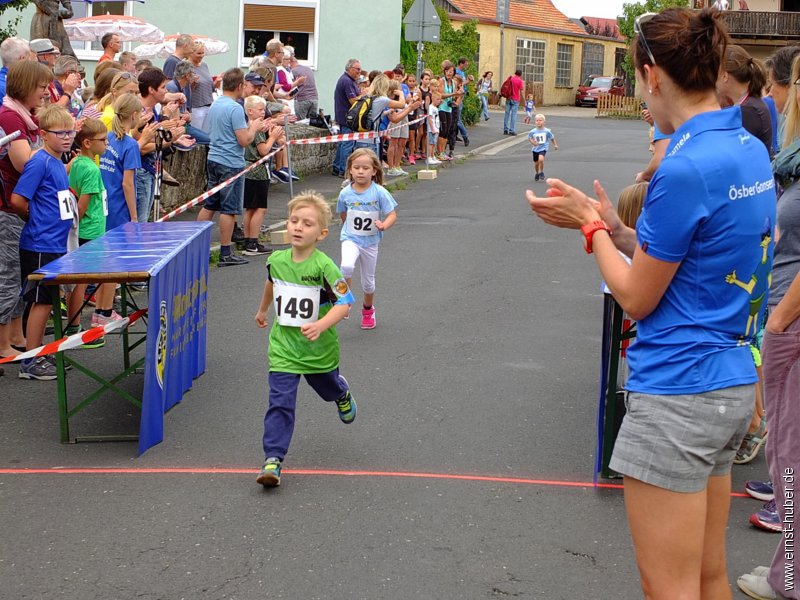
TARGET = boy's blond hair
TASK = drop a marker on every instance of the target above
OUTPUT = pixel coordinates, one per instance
(630, 202)
(313, 200)
(55, 117)
(537, 115)
(92, 128)
(254, 102)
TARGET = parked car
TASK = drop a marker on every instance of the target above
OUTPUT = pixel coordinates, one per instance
(594, 85)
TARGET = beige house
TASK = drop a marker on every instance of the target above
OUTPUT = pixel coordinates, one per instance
(554, 53)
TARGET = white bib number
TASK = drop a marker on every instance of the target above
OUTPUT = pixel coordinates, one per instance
(362, 222)
(105, 203)
(295, 305)
(540, 138)
(65, 205)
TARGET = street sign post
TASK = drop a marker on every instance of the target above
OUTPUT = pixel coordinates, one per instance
(422, 25)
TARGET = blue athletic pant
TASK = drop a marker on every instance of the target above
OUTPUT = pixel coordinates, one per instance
(279, 420)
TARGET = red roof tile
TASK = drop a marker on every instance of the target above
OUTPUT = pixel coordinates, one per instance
(528, 13)
(599, 24)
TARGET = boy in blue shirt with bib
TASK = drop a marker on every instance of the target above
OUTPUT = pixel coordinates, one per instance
(43, 199)
(540, 138)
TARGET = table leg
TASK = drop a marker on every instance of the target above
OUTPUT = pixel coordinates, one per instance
(126, 353)
(63, 410)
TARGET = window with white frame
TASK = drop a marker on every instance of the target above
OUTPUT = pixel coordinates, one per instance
(93, 50)
(530, 59)
(293, 22)
(564, 65)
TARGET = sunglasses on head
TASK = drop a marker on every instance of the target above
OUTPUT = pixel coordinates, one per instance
(637, 29)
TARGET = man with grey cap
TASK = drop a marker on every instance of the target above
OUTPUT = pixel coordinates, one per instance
(12, 50)
(45, 52)
(183, 75)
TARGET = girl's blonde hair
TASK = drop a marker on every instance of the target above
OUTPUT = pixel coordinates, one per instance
(380, 86)
(124, 107)
(376, 164)
(630, 203)
(315, 200)
(120, 81)
(791, 126)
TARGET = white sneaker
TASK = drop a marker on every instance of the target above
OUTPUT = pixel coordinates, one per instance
(393, 172)
(432, 162)
(756, 586)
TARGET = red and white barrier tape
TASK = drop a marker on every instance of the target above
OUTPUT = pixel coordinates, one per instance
(347, 137)
(78, 339)
(195, 201)
(328, 139)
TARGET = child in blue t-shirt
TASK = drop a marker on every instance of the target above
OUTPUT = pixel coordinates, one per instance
(43, 199)
(530, 106)
(367, 209)
(540, 138)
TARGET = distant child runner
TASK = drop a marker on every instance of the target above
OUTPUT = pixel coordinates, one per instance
(367, 209)
(540, 138)
(87, 183)
(42, 198)
(433, 126)
(530, 106)
(309, 296)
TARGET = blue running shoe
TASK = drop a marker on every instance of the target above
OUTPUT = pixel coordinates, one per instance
(767, 518)
(346, 405)
(270, 475)
(760, 490)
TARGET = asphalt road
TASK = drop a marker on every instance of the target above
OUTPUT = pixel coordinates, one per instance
(481, 380)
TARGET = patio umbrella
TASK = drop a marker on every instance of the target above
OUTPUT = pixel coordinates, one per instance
(129, 29)
(166, 47)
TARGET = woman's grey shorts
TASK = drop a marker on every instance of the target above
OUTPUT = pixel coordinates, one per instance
(678, 442)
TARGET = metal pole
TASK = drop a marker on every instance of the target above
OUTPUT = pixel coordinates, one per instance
(288, 155)
(502, 45)
(420, 63)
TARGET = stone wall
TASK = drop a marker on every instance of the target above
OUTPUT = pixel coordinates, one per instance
(190, 167)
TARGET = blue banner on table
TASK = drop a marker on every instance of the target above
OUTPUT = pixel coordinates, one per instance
(176, 330)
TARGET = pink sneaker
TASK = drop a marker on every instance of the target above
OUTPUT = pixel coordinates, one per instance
(368, 318)
(99, 320)
(411, 159)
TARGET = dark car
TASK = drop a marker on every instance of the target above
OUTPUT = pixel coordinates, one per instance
(594, 85)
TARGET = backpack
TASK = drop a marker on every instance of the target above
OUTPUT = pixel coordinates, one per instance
(358, 115)
(505, 89)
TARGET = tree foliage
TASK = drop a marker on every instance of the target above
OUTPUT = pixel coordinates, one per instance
(629, 13)
(11, 20)
(452, 45)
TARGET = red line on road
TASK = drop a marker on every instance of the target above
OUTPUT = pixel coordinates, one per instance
(322, 472)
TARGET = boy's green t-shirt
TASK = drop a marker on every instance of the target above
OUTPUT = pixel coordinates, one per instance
(85, 178)
(301, 292)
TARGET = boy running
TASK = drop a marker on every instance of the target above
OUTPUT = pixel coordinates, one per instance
(540, 138)
(309, 296)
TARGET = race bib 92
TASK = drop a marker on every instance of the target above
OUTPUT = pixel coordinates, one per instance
(362, 222)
